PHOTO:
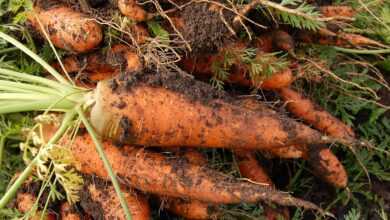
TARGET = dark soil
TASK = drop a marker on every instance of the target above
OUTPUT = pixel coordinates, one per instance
(204, 29)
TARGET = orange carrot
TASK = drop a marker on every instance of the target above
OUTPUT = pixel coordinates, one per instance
(251, 169)
(192, 209)
(126, 111)
(202, 66)
(323, 161)
(67, 29)
(67, 212)
(101, 202)
(305, 109)
(152, 172)
(132, 10)
(274, 41)
(337, 11)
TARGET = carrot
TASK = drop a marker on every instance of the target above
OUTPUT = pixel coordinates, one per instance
(327, 167)
(25, 202)
(274, 40)
(67, 212)
(153, 173)
(239, 72)
(96, 66)
(337, 11)
(66, 28)
(251, 169)
(101, 202)
(322, 160)
(132, 10)
(342, 39)
(305, 109)
(126, 111)
(192, 209)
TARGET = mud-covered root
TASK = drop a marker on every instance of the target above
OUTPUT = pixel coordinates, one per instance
(275, 40)
(132, 10)
(94, 67)
(337, 11)
(131, 111)
(174, 177)
(192, 209)
(25, 203)
(314, 115)
(100, 201)
(68, 212)
(250, 168)
(341, 39)
(202, 66)
(327, 167)
(66, 28)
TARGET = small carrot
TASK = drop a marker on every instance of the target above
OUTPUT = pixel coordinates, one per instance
(67, 212)
(337, 11)
(66, 28)
(192, 209)
(305, 109)
(275, 40)
(132, 10)
(251, 169)
(238, 73)
(321, 159)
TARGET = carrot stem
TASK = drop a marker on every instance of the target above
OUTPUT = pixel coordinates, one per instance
(107, 165)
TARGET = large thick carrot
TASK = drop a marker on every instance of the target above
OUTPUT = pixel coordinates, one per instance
(99, 200)
(168, 110)
(305, 109)
(152, 172)
(66, 28)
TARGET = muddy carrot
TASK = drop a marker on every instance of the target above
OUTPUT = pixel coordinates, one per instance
(66, 28)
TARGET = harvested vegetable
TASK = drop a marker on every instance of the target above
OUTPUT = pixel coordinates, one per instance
(314, 115)
(154, 173)
(67, 212)
(196, 116)
(66, 28)
(100, 201)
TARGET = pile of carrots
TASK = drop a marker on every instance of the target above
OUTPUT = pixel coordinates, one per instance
(142, 110)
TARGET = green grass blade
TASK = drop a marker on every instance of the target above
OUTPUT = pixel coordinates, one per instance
(107, 165)
(35, 57)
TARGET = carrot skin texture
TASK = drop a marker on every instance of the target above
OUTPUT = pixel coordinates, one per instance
(130, 9)
(153, 173)
(337, 11)
(109, 204)
(250, 168)
(67, 213)
(68, 29)
(201, 66)
(179, 121)
(327, 167)
(321, 159)
(304, 108)
(192, 209)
